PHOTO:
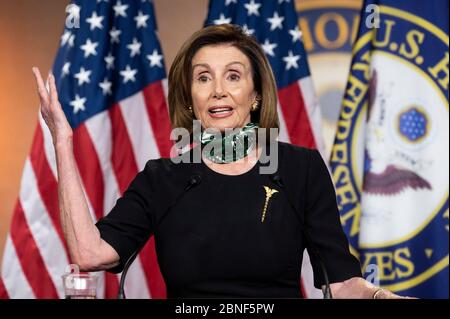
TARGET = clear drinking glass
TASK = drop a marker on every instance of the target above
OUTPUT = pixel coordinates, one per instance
(80, 286)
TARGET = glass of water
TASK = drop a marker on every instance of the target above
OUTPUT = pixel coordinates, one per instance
(80, 286)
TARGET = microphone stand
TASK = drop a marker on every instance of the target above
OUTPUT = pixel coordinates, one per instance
(121, 293)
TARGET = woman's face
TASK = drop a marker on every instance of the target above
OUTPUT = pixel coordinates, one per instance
(222, 87)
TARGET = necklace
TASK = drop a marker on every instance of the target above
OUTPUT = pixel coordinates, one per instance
(229, 147)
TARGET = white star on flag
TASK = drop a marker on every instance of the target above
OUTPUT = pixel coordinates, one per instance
(65, 69)
(227, 2)
(252, 8)
(247, 31)
(114, 33)
(109, 59)
(105, 86)
(275, 22)
(268, 47)
(128, 74)
(83, 76)
(155, 59)
(65, 37)
(134, 47)
(222, 20)
(72, 40)
(78, 104)
(291, 60)
(89, 48)
(119, 9)
(296, 34)
(95, 21)
(141, 20)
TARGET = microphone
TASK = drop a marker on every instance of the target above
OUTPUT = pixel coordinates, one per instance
(276, 179)
(194, 180)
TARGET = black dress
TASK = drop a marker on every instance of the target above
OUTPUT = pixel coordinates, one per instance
(211, 240)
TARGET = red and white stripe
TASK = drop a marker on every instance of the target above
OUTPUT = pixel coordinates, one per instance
(15, 282)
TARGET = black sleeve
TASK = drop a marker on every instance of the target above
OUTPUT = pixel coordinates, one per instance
(130, 223)
(324, 227)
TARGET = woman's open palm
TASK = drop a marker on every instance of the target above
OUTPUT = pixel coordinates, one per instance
(51, 109)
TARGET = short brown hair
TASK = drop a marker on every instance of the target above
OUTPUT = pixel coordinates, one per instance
(180, 75)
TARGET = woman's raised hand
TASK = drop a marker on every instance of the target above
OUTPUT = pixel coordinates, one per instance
(51, 109)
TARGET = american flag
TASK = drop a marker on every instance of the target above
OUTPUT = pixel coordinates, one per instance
(110, 77)
(274, 24)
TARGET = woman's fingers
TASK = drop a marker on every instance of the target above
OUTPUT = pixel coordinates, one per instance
(39, 80)
(43, 93)
(53, 90)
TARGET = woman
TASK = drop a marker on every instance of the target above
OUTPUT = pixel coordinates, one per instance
(221, 229)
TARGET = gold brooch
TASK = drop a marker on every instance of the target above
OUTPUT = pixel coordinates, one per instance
(269, 193)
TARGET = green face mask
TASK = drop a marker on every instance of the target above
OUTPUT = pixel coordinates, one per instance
(229, 147)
